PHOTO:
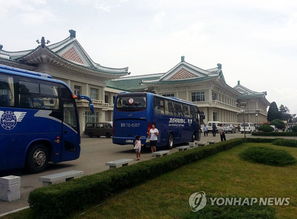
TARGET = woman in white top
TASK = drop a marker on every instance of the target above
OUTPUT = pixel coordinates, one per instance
(153, 137)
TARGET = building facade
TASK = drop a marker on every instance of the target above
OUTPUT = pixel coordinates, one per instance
(206, 88)
(68, 61)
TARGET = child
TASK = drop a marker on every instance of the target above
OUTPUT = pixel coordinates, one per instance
(137, 147)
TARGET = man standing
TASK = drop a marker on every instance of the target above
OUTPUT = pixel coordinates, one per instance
(153, 137)
(222, 133)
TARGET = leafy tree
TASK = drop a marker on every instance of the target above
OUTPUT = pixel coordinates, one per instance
(273, 112)
(279, 124)
(285, 113)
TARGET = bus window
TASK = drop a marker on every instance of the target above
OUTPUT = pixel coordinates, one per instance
(6, 91)
(194, 112)
(178, 109)
(38, 95)
(159, 106)
(186, 111)
(169, 108)
(131, 102)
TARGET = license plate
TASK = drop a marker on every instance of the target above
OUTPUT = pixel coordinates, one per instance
(129, 141)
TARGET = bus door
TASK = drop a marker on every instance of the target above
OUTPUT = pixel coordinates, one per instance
(70, 128)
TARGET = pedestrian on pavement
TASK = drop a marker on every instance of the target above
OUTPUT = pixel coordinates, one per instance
(222, 133)
(153, 134)
(205, 129)
(214, 129)
(137, 147)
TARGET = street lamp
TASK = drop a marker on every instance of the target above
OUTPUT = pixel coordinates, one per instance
(242, 105)
(257, 116)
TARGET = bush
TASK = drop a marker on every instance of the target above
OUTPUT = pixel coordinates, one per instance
(294, 128)
(232, 212)
(285, 142)
(278, 124)
(61, 200)
(266, 128)
(274, 133)
(268, 156)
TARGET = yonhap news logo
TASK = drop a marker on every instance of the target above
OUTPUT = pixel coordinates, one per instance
(198, 201)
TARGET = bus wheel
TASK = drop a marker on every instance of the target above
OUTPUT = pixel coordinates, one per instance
(170, 141)
(37, 159)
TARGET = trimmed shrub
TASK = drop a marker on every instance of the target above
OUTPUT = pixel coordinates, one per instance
(260, 140)
(232, 212)
(285, 142)
(274, 133)
(268, 156)
(61, 200)
(294, 128)
(265, 128)
(278, 124)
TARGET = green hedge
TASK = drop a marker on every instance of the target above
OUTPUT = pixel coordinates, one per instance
(285, 142)
(61, 200)
(274, 133)
(265, 128)
(268, 156)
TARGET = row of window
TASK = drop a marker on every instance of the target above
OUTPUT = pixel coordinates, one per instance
(173, 108)
(199, 96)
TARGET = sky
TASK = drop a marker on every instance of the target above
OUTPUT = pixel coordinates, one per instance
(254, 40)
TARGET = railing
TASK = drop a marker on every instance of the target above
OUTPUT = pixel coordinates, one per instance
(97, 104)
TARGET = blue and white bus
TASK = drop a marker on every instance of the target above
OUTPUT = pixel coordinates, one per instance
(177, 120)
(38, 120)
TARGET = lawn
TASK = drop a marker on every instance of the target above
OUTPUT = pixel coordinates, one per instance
(220, 175)
(223, 174)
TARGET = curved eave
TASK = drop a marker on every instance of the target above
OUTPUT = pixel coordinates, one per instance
(192, 80)
(39, 55)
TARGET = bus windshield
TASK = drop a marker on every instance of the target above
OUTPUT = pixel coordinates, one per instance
(131, 102)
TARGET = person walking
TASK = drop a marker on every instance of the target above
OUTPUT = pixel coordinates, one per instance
(222, 133)
(214, 129)
(137, 147)
(153, 137)
(205, 130)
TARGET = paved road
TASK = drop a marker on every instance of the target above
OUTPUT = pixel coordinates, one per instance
(94, 153)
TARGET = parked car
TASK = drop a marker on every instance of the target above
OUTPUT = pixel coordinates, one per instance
(229, 128)
(210, 123)
(99, 129)
(247, 127)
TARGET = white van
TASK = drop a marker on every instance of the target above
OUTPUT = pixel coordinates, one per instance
(210, 124)
(247, 127)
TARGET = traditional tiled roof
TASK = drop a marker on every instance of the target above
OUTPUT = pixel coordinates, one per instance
(69, 51)
(248, 94)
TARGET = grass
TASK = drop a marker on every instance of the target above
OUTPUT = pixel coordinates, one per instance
(269, 156)
(224, 174)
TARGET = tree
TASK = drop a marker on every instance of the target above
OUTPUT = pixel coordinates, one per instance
(273, 112)
(285, 113)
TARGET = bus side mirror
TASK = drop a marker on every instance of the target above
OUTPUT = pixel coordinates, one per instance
(91, 105)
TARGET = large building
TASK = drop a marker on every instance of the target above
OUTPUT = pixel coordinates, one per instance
(68, 61)
(205, 87)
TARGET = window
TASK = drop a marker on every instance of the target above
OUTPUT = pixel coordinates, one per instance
(39, 95)
(214, 95)
(169, 109)
(91, 117)
(178, 109)
(168, 95)
(198, 96)
(131, 102)
(94, 94)
(106, 99)
(194, 112)
(6, 91)
(159, 106)
(77, 90)
(70, 114)
(215, 116)
(186, 110)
